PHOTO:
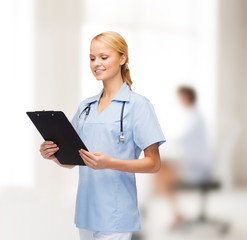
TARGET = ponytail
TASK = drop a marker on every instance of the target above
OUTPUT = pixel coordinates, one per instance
(125, 72)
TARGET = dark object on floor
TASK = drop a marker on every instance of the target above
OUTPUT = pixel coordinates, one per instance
(202, 220)
(136, 236)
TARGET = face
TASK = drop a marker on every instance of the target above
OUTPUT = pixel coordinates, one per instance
(184, 100)
(105, 62)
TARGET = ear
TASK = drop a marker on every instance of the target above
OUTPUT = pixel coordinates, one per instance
(123, 59)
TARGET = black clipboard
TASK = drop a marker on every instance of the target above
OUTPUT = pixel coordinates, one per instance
(55, 126)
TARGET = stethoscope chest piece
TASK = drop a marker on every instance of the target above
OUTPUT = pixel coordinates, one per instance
(121, 137)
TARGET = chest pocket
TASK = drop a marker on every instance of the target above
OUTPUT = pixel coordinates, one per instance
(106, 126)
(116, 131)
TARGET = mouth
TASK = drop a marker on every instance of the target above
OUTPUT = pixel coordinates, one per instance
(99, 71)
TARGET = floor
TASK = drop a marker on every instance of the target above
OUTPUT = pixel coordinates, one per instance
(226, 209)
(26, 215)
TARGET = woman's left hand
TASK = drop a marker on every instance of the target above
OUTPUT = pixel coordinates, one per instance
(95, 160)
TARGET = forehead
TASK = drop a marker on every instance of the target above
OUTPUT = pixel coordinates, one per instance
(98, 47)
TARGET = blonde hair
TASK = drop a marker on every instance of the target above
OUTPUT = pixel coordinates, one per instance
(117, 42)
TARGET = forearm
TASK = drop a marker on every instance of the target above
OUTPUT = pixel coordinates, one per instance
(62, 165)
(142, 165)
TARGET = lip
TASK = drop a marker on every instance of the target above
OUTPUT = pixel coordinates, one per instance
(99, 71)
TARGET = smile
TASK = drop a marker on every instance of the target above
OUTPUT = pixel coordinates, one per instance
(99, 70)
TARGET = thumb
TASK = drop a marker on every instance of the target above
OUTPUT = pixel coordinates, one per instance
(97, 153)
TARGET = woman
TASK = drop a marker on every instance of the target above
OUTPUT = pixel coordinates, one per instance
(106, 204)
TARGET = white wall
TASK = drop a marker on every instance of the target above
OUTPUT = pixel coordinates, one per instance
(232, 83)
(16, 92)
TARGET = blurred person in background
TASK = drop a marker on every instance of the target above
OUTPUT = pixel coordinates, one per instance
(193, 163)
(191, 140)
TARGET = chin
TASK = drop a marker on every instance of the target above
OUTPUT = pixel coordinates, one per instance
(104, 76)
(101, 78)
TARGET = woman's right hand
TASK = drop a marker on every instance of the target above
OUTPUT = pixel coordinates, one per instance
(47, 150)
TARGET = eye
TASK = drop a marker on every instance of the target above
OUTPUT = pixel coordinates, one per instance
(104, 58)
(91, 59)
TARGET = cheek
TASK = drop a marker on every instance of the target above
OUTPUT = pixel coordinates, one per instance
(111, 64)
(91, 65)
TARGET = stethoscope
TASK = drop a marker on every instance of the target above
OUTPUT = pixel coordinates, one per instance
(88, 108)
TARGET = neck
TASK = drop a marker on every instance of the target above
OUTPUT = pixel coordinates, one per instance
(111, 87)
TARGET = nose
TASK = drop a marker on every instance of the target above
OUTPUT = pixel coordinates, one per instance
(96, 62)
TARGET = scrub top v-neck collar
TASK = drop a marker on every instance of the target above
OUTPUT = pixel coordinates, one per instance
(123, 94)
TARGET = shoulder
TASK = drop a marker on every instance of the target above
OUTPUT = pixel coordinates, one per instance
(89, 99)
(140, 105)
(86, 101)
(138, 99)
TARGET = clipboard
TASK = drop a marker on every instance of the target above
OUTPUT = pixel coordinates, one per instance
(55, 126)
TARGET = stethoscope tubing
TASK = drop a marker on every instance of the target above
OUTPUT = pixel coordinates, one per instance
(88, 108)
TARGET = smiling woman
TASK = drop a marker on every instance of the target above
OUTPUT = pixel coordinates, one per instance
(117, 127)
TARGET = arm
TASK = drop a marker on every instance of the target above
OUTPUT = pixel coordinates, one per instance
(149, 164)
(62, 165)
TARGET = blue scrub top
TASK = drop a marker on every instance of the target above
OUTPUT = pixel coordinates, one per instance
(107, 199)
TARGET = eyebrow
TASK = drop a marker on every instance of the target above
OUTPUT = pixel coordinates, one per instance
(91, 55)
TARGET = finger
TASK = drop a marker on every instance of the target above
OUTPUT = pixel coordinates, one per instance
(44, 147)
(96, 153)
(88, 159)
(47, 156)
(45, 151)
(49, 146)
(47, 142)
(89, 164)
(50, 152)
(89, 154)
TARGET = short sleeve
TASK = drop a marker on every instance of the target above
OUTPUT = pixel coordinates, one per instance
(146, 127)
